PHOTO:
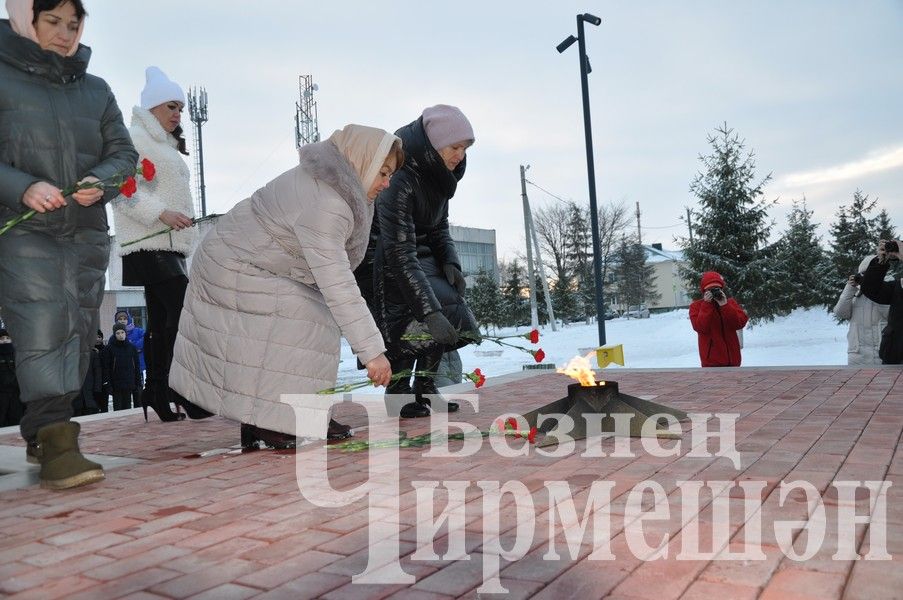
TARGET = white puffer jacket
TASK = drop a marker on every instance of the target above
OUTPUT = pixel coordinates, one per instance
(170, 189)
(867, 321)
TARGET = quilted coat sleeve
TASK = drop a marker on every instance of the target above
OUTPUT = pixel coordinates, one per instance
(322, 230)
(13, 184)
(843, 310)
(118, 155)
(442, 244)
(399, 240)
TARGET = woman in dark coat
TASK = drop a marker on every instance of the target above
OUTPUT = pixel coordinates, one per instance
(58, 126)
(413, 276)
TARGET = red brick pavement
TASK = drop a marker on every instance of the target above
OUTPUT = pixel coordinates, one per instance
(196, 520)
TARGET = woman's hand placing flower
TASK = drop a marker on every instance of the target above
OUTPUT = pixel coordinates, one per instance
(379, 371)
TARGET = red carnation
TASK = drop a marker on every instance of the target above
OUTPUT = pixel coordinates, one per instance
(539, 355)
(148, 170)
(481, 379)
(512, 423)
(128, 187)
(531, 437)
(533, 336)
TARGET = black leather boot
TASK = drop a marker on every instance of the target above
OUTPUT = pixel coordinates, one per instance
(411, 410)
(425, 390)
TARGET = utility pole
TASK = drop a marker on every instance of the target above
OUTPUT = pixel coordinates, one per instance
(528, 221)
(197, 111)
(639, 230)
(542, 271)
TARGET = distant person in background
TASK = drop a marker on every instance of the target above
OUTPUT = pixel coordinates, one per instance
(890, 293)
(11, 408)
(135, 336)
(716, 318)
(121, 368)
(867, 320)
(101, 394)
(158, 263)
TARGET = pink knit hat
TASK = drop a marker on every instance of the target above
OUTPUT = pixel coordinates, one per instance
(446, 125)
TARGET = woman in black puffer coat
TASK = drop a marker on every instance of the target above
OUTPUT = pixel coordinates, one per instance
(412, 274)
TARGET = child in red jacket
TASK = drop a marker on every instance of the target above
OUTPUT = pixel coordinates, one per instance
(716, 318)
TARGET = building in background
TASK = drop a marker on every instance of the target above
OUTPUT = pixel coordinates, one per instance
(668, 283)
(477, 250)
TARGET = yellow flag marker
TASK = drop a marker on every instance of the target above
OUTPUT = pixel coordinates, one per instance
(610, 354)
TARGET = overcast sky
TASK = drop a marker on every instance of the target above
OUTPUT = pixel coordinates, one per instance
(813, 86)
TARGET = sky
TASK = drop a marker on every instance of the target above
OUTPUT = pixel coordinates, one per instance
(812, 86)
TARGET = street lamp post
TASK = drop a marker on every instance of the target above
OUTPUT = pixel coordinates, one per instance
(590, 169)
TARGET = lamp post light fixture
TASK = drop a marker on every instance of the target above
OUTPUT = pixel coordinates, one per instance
(590, 170)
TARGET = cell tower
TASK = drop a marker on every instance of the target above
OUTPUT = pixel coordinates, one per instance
(197, 111)
(306, 130)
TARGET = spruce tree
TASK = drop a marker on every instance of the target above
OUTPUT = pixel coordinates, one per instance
(636, 278)
(515, 307)
(884, 229)
(805, 276)
(855, 236)
(731, 226)
(564, 300)
(485, 300)
(579, 254)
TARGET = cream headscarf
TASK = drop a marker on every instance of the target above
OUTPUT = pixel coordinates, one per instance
(366, 148)
(21, 18)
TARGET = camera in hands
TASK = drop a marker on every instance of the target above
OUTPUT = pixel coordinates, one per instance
(717, 293)
(858, 278)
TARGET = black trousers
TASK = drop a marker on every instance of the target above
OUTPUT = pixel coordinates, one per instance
(164, 305)
(122, 400)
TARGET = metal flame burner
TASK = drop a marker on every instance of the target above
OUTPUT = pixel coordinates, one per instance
(603, 398)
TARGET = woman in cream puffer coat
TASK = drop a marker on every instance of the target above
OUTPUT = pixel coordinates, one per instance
(867, 321)
(272, 292)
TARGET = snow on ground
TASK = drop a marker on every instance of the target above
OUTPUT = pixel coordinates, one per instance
(803, 338)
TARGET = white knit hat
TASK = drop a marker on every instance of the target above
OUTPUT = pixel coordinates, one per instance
(159, 89)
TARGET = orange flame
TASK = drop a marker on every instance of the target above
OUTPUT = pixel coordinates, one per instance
(579, 368)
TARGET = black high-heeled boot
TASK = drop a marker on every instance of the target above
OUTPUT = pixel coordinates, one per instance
(192, 410)
(149, 397)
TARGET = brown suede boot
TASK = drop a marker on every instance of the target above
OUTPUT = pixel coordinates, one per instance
(62, 464)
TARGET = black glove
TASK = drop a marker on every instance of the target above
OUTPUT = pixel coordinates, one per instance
(441, 330)
(455, 277)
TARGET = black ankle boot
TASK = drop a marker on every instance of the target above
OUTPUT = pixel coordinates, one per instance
(425, 390)
(192, 410)
(337, 431)
(251, 435)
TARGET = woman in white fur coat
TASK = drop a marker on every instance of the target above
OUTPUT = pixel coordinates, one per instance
(867, 321)
(272, 289)
(159, 263)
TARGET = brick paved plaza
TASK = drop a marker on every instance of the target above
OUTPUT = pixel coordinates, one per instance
(184, 514)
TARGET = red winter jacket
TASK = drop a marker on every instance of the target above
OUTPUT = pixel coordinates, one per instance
(717, 328)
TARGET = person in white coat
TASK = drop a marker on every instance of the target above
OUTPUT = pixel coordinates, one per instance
(158, 263)
(867, 321)
(272, 289)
